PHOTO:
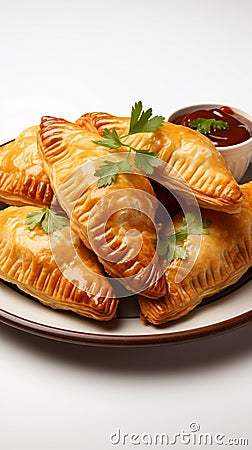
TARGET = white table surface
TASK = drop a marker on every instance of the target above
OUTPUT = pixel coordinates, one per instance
(66, 58)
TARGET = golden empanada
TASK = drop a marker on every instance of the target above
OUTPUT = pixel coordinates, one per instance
(186, 152)
(99, 121)
(107, 215)
(27, 260)
(224, 256)
(22, 177)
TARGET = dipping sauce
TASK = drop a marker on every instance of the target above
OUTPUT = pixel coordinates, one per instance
(239, 128)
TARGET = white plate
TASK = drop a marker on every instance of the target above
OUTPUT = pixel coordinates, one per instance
(231, 308)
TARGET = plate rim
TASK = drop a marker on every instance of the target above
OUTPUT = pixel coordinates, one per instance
(88, 338)
(103, 340)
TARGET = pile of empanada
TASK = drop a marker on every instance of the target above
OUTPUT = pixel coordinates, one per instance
(58, 159)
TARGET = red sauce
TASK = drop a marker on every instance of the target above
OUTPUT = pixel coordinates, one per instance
(240, 128)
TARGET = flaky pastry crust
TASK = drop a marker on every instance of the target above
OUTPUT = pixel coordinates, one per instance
(225, 254)
(22, 177)
(186, 152)
(27, 260)
(65, 148)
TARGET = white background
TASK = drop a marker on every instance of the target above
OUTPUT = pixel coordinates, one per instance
(65, 58)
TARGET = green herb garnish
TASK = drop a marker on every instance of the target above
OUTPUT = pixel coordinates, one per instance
(107, 172)
(141, 121)
(204, 126)
(110, 139)
(145, 160)
(46, 219)
(172, 246)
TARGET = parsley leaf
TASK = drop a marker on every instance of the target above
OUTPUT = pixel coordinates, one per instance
(110, 140)
(47, 219)
(179, 252)
(204, 125)
(146, 161)
(109, 169)
(192, 224)
(35, 218)
(172, 246)
(141, 121)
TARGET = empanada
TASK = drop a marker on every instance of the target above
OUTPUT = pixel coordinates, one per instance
(187, 152)
(27, 260)
(107, 215)
(22, 177)
(224, 256)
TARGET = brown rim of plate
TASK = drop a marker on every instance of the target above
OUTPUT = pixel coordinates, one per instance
(102, 340)
(110, 340)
